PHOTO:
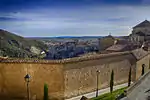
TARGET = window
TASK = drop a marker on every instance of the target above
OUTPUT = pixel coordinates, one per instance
(143, 67)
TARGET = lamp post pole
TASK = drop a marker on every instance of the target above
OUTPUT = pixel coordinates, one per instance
(28, 90)
(97, 73)
(27, 79)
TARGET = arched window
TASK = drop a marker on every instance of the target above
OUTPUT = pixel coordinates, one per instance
(143, 67)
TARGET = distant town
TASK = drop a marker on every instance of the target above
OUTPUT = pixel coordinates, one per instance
(68, 47)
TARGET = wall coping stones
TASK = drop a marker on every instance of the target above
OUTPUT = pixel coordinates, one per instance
(68, 60)
(138, 54)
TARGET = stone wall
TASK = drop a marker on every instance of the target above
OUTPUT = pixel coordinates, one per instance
(134, 37)
(143, 29)
(145, 60)
(80, 77)
(12, 83)
(69, 77)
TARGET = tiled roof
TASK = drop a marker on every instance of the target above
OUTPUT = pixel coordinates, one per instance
(121, 41)
(143, 24)
(139, 53)
(117, 47)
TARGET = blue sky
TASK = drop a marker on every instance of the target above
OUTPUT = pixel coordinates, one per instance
(48, 18)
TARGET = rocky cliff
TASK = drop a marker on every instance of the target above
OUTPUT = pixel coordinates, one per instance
(12, 45)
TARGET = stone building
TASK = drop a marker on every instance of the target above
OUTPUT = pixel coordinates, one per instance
(121, 45)
(106, 42)
(141, 32)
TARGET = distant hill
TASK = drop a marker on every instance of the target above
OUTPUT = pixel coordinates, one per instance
(66, 37)
(12, 45)
(72, 37)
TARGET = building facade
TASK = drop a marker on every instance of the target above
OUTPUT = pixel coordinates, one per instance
(140, 32)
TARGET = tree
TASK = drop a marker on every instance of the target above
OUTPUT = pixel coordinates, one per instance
(129, 78)
(112, 81)
(45, 92)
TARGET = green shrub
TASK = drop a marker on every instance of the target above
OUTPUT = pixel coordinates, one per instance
(112, 81)
(110, 96)
(45, 92)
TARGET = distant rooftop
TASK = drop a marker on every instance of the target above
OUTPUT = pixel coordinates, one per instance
(145, 23)
(117, 47)
(139, 53)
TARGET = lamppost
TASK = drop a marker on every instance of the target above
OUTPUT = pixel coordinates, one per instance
(97, 74)
(27, 79)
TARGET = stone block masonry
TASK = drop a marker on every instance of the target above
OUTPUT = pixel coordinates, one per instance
(65, 78)
(12, 83)
(80, 77)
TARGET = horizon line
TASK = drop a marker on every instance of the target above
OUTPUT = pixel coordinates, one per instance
(72, 36)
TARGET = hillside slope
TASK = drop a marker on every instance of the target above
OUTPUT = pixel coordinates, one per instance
(12, 45)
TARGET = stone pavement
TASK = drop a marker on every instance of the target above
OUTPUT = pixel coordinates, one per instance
(100, 92)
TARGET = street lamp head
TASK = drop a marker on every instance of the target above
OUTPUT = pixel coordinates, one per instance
(98, 71)
(27, 78)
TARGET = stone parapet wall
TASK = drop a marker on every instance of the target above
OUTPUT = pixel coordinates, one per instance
(12, 83)
(81, 77)
(145, 30)
(63, 61)
(67, 77)
(146, 61)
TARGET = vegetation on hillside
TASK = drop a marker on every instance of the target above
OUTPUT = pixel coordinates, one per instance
(12, 45)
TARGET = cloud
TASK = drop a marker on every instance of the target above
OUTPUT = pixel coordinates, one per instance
(146, 1)
(7, 19)
(88, 20)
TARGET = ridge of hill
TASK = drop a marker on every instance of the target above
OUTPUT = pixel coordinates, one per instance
(12, 45)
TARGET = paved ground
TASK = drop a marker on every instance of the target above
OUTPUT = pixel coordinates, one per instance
(140, 92)
(103, 91)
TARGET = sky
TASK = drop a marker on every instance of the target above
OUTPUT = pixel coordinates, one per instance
(51, 18)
